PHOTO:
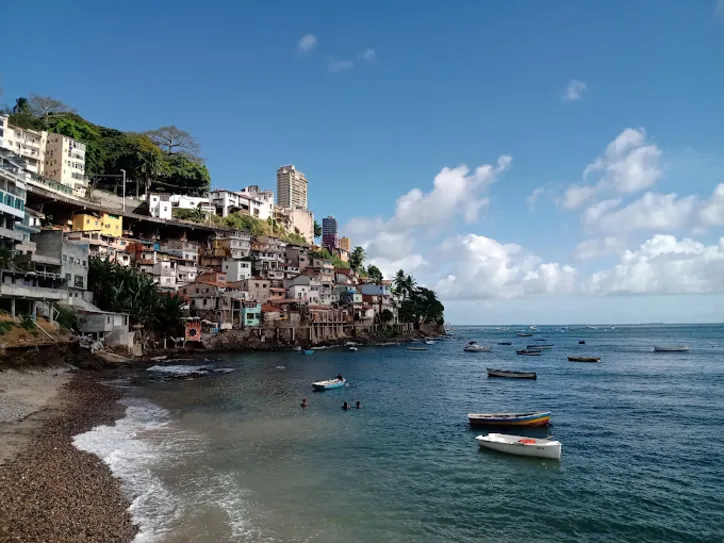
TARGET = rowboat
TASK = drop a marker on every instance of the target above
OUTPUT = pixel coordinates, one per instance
(308, 351)
(512, 374)
(670, 348)
(329, 384)
(521, 445)
(509, 419)
(417, 348)
(529, 352)
(504, 343)
(540, 346)
(524, 335)
(473, 347)
(583, 359)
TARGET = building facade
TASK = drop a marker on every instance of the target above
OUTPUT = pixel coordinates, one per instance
(344, 244)
(30, 145)
(292, 188)
(65, 163)
(330, 241)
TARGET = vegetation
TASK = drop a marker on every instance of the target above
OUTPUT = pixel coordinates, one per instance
(67, 318)
(325, 255)
(124, 290)
(28, 323)
(386, 316)
(5, 327)
(420, 305)
(404, 284)
(195, 215)
(374, 273)
(317, 229)
(357, 257)
(162, 160)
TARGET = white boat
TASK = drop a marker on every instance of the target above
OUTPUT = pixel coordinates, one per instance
(670, 348)
(521, 445)
(473, 347)
(430, 342)
(354, 349)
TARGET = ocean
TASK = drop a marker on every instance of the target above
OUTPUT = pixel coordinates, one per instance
(232, 457)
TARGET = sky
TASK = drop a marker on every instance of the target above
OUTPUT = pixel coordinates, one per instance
(533, 162)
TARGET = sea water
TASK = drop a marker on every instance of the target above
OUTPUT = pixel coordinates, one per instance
(233, 457)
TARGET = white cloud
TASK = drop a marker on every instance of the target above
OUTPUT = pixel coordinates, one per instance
(629, 164)
(663, 265)
(368, 55)
(711, 212)
(595, 248)
(307, 43)
(484, 268)
(340, 65)
(574, 90)
(533, 198)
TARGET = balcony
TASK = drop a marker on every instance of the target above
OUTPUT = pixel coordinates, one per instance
(36, 293)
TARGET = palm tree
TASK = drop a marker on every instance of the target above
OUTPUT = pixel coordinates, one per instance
(357, 258)
(399, 282)
(410, 285)
(317, 229)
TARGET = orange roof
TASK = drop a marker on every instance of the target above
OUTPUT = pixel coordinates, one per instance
(267, 308)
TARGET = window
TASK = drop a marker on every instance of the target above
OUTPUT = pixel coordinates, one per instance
(65, 258)
(67, 277)
(78, 281)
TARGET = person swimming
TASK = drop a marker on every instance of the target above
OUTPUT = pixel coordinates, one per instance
(345, 406)
(304, 403)
(358, 405)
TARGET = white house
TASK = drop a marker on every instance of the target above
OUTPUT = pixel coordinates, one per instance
(180, 201)
(159, 206)
(236, 270)
(226, 201)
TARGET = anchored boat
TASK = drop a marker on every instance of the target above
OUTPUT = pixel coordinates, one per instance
(510, 419)
(583, 359)
(670, 348)
(540, 346)
(474, 347)
(521, 445)
(529, 352)
(512, 374)
(329, 384)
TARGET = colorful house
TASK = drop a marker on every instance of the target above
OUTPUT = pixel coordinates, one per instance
(109, 225)
(251, 313)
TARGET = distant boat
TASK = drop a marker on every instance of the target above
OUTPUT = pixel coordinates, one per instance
(540, 346)
(583, 359)
(521, 445)
(670, 348)
(512, 374)
(353, 349)
(308, 351)
(473, 347)
(417, 348)
(504, 343)
(529, 352)
(329, 384)
(509, 419)
(540, 339)
(533, 327)
(296, 348)
(430, 342)
(581, 342)
(524, 334)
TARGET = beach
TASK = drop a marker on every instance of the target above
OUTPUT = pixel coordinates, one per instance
(49, 490)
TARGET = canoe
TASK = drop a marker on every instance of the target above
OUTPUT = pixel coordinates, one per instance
(512, 374)
(521, 445)
(329, 384)
(540, 346)
(417, 348)
(510, 419)
(583, 359)
(529, 352)
(473, 347)
(504, 343)
(670, 349)
(308, 351)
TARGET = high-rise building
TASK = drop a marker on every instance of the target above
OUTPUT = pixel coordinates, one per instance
(291, 188)
(344, 244)
(65, 162)
(330, 240)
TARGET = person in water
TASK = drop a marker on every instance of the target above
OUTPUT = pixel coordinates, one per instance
(345, 406)
(304, 403)
(339, 377)
(358, 405)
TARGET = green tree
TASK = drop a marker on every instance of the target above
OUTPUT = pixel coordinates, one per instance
(422, 306)
(399, 283)
(374, 273)
(386, 316)
(317, 229)
(175, 141)
(357, 258)
(185, 175)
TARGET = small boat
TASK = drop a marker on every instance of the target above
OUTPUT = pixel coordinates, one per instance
(308, 351)
(583, 359)
(296, 348)
(521, 445)
(540, 339)
(512, 374)
(329, 384)
(354, 349)
(581, 342)
(510, 419)
(417, 348)
(670, 348)
(540, 346)
(430, 342)
(529, 352)
(473, 347)
(524, 335)
(504, 343)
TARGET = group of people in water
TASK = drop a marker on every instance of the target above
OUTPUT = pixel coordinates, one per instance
(345, 405)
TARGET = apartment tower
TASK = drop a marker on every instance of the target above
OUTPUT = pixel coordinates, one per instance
(291, 188)
(330, 241)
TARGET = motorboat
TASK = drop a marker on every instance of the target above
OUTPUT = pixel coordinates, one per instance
(329, 384)
(670, 348)
(505, 343)
(510, 419)
(529, 352)
(430, 342)
(521, 445)
(474, 347)
(353, 349)
(511, 374)
(583, 359)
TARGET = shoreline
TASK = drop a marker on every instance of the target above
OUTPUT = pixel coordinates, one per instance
(49, 489)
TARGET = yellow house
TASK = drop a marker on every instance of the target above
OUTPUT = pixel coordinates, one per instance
(109, 225)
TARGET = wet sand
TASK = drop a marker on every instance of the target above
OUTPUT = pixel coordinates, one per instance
(49, 490)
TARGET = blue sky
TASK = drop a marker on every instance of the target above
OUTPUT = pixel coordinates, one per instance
(383, 98)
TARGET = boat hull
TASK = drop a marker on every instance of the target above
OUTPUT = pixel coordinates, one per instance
(327, 385)
(511, 374)
(582, 359)
(529, 353)
(681, 349)
(477, 349)
(539, 448)
(509, 419)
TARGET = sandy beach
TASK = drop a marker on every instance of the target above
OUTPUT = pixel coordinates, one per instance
(49, 490)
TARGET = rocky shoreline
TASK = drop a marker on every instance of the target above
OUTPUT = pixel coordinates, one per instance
(53, 492)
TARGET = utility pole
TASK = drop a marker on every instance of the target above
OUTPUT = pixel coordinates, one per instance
(124, 190)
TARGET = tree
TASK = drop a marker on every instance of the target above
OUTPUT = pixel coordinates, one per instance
(386, 316)
(399, 282)
(374, 273)
(173, 141)
(138, 155)
(357, 258)
(21, 106)
(422, 306)
(181, 174)
(22, 117)
(43, 107)
(317, 229)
